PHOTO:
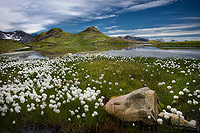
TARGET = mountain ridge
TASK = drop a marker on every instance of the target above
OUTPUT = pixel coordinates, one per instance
(90, 35)
(17, 35)
(135, 38)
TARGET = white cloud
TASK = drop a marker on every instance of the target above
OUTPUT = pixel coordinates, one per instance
(147, 5)
(172, 27)
(36, 15)
(179, 31)
(111, 27)
(103, 17)
(7, 17)
(178, 38)
(172, 33)
(35, 27)
(117, 35)
(171, 30)
(189, 18)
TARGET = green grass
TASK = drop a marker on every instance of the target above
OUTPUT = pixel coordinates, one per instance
(117, 69)
(172, 45)
(10, 45)
(48, 49)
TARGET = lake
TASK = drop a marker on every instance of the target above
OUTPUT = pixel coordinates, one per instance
(133, 52)
(24, 55)
(155, 52)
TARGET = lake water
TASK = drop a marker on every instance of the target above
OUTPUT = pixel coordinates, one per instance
(24, 55)
(155, 52)
(133, 52)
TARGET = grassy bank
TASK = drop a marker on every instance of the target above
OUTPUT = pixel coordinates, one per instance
(177, 45)
(68, 93)
(48, 49)
(10, 46)
(56, 49)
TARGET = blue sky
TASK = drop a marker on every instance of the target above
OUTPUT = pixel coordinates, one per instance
(167, 19)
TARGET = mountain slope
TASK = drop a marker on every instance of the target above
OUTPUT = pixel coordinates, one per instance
(91, 35)
(17, 35)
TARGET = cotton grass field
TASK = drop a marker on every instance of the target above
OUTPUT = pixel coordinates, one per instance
(68, 93)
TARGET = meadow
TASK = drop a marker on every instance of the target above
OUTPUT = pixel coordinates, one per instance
(177, 45)
(68, 93)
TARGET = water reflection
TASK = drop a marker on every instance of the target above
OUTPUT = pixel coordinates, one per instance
(155, 52)
(24, 55)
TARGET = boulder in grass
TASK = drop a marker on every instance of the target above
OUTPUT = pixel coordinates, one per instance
(139, 105)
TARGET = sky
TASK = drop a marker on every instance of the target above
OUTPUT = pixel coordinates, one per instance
(152, 19)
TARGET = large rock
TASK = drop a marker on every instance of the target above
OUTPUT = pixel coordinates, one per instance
(139, 105)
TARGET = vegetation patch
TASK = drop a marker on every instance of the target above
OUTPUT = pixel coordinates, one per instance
(178, 45)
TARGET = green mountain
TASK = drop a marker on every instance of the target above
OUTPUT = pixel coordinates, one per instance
(58, 42)
(91, 35)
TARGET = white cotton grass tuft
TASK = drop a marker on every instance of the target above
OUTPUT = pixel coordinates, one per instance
(166, 115)
(173, 110)
(160, 121)
(133, 124)
(181, 93)
(176, 97)
(169, 107)
(13, 122)
(179, 113)
(169, 87)
(42, 113)
(193, 123)
(173, 81)
(78, 116)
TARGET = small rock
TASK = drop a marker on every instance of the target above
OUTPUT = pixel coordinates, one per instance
(177, 120)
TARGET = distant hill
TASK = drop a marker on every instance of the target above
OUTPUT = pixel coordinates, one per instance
(91, 29)
(52, 33)
(160, 40)
(136, 38)
(91, 35)
(173, 40)
(17, 35)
